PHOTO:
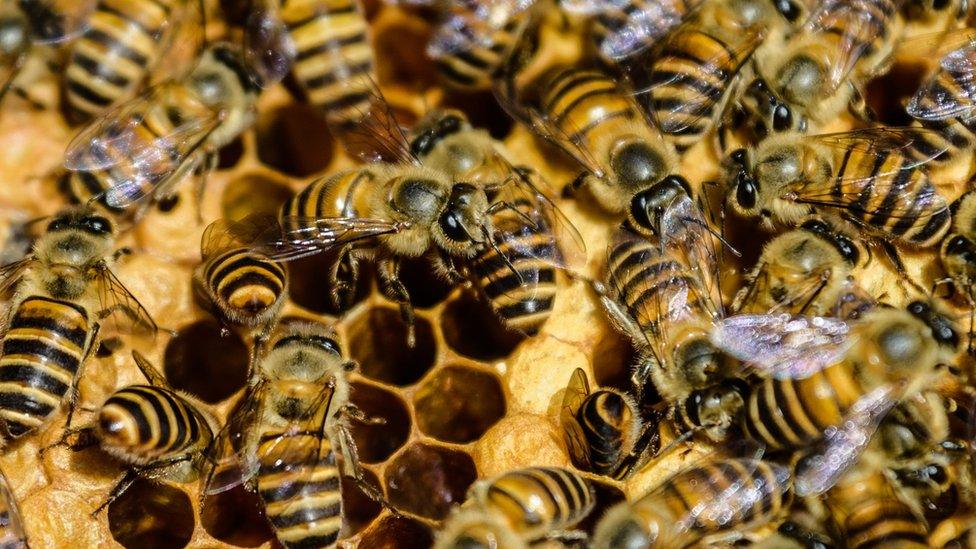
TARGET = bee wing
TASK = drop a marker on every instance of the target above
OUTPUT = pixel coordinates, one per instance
(269, 49)
(376, 135)
(686, 232)
(632, 31)
(576, 392)
(473, 25)
(230, 460)
(11, 525)
(933, 101)
(680, 116)
(781, 345)
(225, 234)
(55, 21)
(118, 303)
(183, 39)
(304, 236)
(842, 445)
(861, 22)
(11, 273)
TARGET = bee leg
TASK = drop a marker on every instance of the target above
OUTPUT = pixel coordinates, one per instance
(75, 439)
(345, 274)
(895, 258)
(356, 413)
(121, 486)
(573, 187)
(572, 538)
(388, 270)
(806, 537)
(352, 468)
(859, 108)
(444, 265)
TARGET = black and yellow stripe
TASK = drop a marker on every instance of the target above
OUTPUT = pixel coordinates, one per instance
(334, 57)
(473, 67)
(112, 58)
(345, 194)
(150, 423)
(865, 27)
(245, 283)
(606, 419)
(298, 481)
(44, 345)
(955, 135)
(902, 182)
(879, 520)
(516, 275)
(538, 500)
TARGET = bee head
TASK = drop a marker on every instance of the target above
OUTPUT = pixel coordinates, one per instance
(744, 188)
(435, 127)
(943, 328)
(958, 254)
(647, 206)
(477, 529)
(844, 245)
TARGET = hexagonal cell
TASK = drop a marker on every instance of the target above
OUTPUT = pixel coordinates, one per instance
(236, 517)
(376, 443)
(308, 287)
(294, 139)
(606, 497)
(206, 361)
(253, 194)
(471, 329)
(483, 110)
(613, 359)
(150, 514)
(887, 94)
(400, 44)
(397, 533)
(358, 509)
(426, 289)
(429, 480)
(458, 404)
(378, 340)
(230, 154)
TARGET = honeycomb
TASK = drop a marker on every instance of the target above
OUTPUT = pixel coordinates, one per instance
(469, 400)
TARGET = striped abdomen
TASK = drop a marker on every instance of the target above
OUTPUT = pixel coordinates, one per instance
(860, 27)
(688, 78)
(344, 194)
(871, 515)
(246, 285)
(789, 413)
(901, 203)
(301, 498)
(517, 275)
(472, 67)
(46, 341)
(956, 134)
(539, 500)
(110, 60)
(739, 494)
(146, 423)
(334, 58)
(606, 420)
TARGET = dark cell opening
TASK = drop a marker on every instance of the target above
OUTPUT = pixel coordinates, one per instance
(206, 362)
(376, 443)
(458, 404)
(151, 514)
(378, 341)
(473, 330)
(429, 480)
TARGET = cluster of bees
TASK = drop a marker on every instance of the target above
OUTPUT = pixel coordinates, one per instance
(835, 415)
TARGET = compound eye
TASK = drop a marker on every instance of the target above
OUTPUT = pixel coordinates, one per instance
(782, 118)
(327, 344)
(956, 245)
(758, 85)
(96, 225)
(739, 157)
(918, 308)
(848, 250)
(746, 191)
(816, 226)
(790, 11)
(58, 224)
(452, 228)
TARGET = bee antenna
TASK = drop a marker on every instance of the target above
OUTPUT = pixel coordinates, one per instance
(712, 231)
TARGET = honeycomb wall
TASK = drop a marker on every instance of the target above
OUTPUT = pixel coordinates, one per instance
(468, 401)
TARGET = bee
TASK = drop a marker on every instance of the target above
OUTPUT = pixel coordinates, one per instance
(286, 438)
(123, 41)
(445, 140)
(715, 502)
(145, 147)
(866, 177)
(476, 38)
(889, 353)
(944, 103)
(803, 271)
(866, 508)
(156, 431)
(958, 254)
(805, 79)
(245, 288)
(64, 292)
(325, 44)
(12, 534)
(519, 507)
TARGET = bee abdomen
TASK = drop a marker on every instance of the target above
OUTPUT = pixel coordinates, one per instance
(112, 57)
(334, 58)
(583, 102)
(472, 67)
(885, 523)
(245, 282)
(44, 345)
(545, 498)
(302, 499)
(148, 423)
(603, 417)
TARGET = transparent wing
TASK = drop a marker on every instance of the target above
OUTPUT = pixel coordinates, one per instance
(224, 234)
(269, 50)
(632, 31)
(951, 91)
(376, 135)
(758, 294)
(784, 346)
(230, 459)
(12, 534)
(54, 21)
(859, 22)
(127, 315)
(677, 117)
(11, 273)
(181, 43)
(594, 7)
(842, 445)
(300, 236)
(576, 392)
(474, 25)
(685, 231)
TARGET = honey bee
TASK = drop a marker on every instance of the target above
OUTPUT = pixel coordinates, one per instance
(602, 428)
(803, 271)
(868, 512)
(145, 147)
(958, 250)
(865, 176)
(122, 42)
(519, 507)
(65, 291)
(806, 79)
(717, 502)
(325, 44)
(157, 432)
(12, 534)
(245, 288)
(286, 438)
